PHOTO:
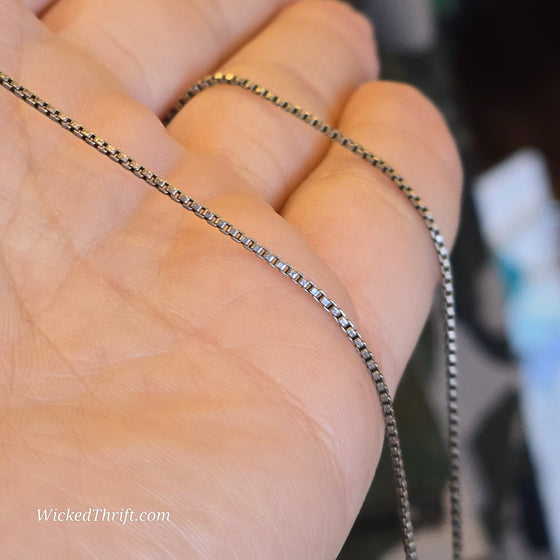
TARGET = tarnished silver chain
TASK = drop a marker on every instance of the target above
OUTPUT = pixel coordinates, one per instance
(307, 285)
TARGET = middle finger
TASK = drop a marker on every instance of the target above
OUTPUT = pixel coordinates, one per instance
(314, 54)
(157, 48)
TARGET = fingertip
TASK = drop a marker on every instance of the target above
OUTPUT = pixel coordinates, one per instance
(346, 24)
(420, 131)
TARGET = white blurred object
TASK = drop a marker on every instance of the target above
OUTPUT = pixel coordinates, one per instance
(404, 26)
(521, 224)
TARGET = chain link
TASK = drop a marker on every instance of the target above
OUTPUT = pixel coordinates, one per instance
(307, 285)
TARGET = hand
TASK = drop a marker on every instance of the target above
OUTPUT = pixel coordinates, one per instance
(148, 361)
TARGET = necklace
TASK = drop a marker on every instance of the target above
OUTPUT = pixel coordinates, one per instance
(225, 227)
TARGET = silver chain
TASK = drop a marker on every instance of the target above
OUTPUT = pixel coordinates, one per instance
(307, 285)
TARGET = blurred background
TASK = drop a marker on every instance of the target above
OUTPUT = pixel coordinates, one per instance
(493, 68)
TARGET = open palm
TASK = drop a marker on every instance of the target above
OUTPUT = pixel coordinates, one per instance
(147, 361)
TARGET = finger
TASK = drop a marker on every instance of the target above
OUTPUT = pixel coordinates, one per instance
(38, 6)
(157, 48)
(314, 54)
(367, 231)
(59, 197)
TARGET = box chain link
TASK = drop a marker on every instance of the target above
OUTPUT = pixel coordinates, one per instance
(307, 285)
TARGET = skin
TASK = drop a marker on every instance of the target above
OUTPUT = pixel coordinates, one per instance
(146, 360)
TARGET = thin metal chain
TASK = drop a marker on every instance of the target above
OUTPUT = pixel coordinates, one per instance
(307, 285)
